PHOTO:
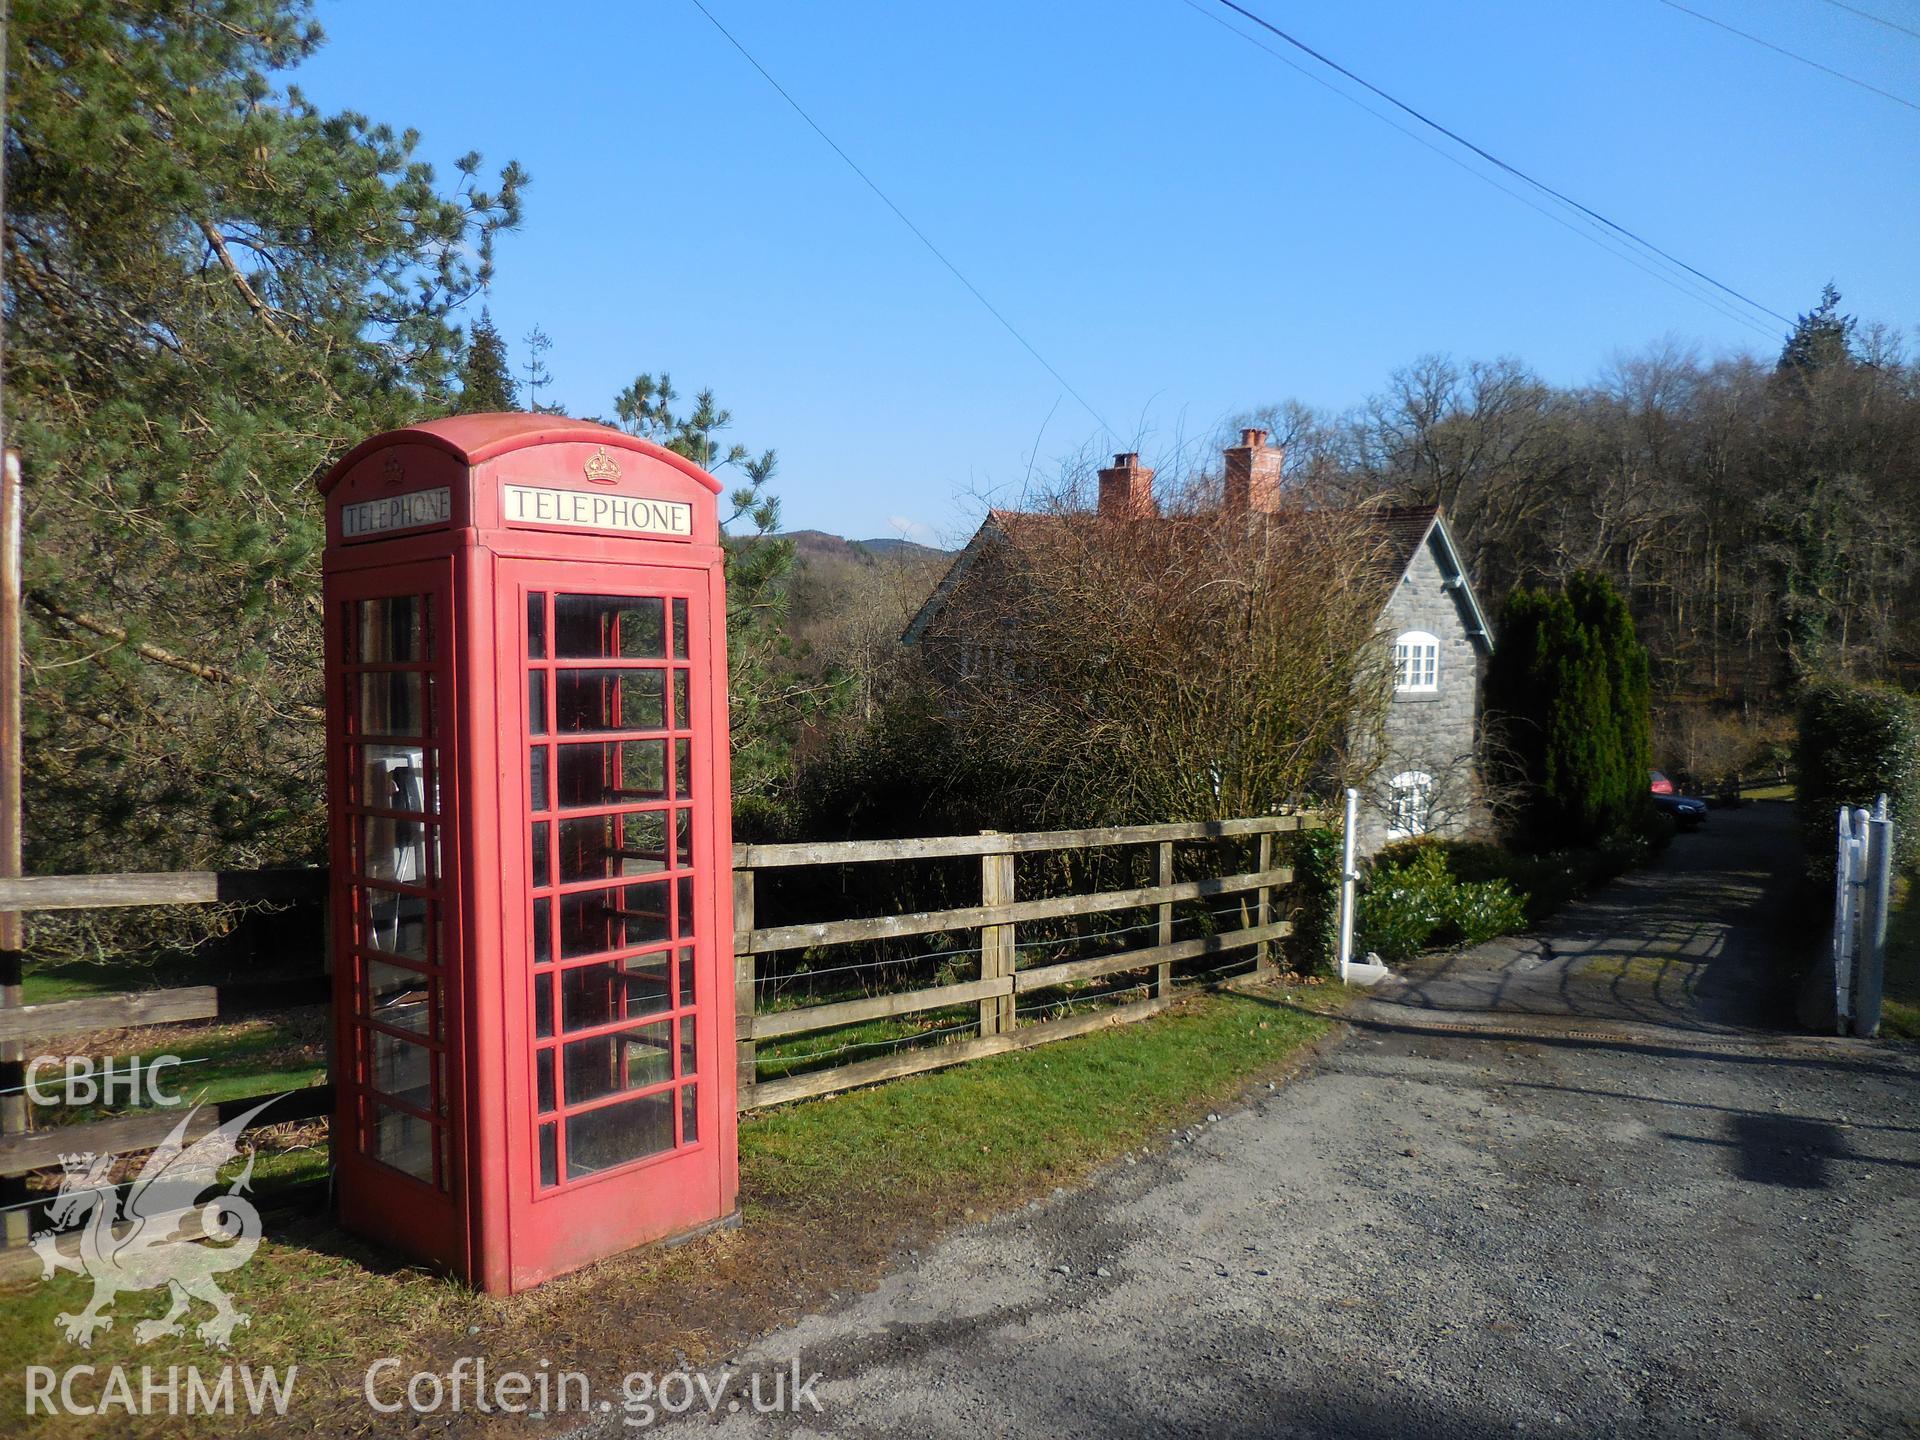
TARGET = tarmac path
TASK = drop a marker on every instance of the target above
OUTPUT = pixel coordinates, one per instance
(1569, 1184)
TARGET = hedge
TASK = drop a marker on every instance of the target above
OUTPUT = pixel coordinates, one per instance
(1857, 742)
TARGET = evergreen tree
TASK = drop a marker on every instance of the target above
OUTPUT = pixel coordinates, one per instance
(1816, 460)
(1625, 740)
(486, 383)
(538, 343)
(214, 289)
(1570, 689)
(1821, 338)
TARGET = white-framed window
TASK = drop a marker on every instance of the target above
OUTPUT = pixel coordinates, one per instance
(1409, 804)
(1416, 662)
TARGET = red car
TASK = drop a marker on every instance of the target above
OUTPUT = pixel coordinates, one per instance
(1661, 785)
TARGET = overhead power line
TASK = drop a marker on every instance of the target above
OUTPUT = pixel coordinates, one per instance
(1586, 230)
(1868, 15)
(1794, 54)
(1492, 159)
(901, 215)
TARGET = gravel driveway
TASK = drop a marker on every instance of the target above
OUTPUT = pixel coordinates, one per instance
(1563, 1186)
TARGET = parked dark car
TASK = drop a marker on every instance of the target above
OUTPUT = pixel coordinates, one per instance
(1687, 811)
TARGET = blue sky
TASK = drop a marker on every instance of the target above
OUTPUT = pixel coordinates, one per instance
(1182, 225)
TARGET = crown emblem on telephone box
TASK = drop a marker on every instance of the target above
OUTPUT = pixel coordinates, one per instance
(600, 467)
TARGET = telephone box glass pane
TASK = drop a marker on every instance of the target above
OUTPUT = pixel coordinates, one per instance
(609, 627)
(615, 1134)
(689, 1053)
(549, 1154)
(543, 1006)
(683, 839)
(543, 1069)
(682, 701)
(403, 1141)
(537, 702)
(542, 931)
(610, 700)
(627, 1060)
(537, 848)
(391, 631)
(679, 629)
(686, 978)
(689, 1114)
(403, 851)
(684, 903)
(400, 1068)
(601, 847)
(395, 924)
(593, 995)
(390, 702)
(682, 769)
(537, 626)
(537, 776)
(392, 777)
(401, 999)
(594, 921)
(612, 771)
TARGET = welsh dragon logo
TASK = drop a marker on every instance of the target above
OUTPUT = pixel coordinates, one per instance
(137, 1244)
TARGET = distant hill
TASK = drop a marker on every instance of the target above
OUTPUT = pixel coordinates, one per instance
(819, 545)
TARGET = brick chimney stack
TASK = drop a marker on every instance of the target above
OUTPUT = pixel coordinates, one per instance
(1126, 488)
(1253, 474)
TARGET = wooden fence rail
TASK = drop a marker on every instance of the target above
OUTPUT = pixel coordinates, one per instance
(997, 918)
(29, 1025)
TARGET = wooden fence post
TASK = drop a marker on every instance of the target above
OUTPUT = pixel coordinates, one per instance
(1163, 987)
(998, 958)
(1263, 910)
(745, 999)
(15, 1117)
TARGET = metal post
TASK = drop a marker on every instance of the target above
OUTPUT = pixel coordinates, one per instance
(1878, 894)
(1348, 875)
(1842, 917)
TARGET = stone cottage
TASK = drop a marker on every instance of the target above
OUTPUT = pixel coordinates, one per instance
(1426, 778)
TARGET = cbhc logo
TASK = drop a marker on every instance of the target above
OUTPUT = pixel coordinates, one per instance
(83, 1082)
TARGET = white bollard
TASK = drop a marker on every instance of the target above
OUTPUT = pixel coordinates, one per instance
(1348, 875)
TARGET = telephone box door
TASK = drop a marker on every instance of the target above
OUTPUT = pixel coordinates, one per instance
(610, 970)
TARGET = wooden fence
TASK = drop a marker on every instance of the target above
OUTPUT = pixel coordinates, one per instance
(33, 1026)
(1000, 980)
(995, 991)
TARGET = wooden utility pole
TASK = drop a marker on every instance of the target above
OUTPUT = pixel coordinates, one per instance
(13, 1100)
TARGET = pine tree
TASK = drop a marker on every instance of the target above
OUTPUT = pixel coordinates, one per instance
(486, 382)
(538, 343)
(214, 289)
(1813, 389)
(1821, 338)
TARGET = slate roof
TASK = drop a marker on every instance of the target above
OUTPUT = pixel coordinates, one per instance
(1404, 529)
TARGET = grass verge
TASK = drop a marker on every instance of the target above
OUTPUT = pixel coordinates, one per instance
(831, 1189)
(1900, 1006)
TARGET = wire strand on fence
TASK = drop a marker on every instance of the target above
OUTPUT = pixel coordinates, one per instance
(802, 1058)
(865, 965)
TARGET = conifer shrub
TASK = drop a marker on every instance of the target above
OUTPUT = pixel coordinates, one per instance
(1569, 692)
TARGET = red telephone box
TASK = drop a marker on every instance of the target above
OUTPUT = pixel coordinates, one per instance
(527, 774)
